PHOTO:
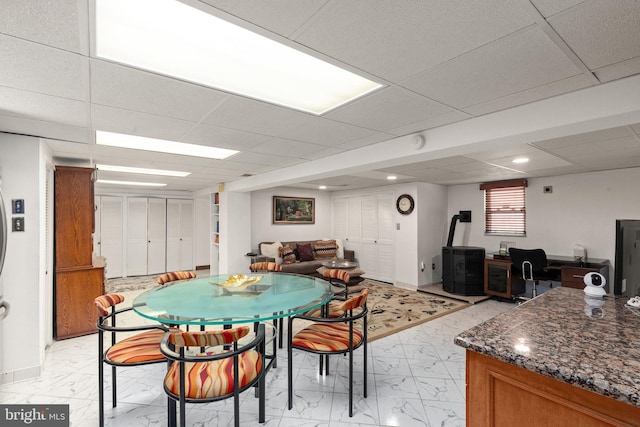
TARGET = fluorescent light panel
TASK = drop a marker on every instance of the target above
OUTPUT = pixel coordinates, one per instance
(145, 184)
(175, 39)
(144, 171)
(161, 145)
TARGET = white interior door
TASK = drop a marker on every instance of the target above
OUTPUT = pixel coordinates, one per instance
(186, 234)
(173, 235)
(136, 236)
(111, 231)
(156, 236)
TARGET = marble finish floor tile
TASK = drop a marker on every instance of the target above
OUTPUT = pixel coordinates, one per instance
(415, 378)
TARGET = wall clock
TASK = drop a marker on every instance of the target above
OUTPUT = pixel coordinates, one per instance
(405, 204)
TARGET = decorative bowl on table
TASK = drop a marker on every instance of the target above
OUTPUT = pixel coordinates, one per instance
(238, 283)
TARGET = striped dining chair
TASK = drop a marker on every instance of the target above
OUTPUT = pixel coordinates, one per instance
(265, 266)
(174, 276)
(224, 370)
(135, 350)
(327, 336)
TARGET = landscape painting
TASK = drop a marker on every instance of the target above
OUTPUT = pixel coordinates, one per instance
(293, 210)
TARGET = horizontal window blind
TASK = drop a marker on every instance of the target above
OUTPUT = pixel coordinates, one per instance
(505, 208)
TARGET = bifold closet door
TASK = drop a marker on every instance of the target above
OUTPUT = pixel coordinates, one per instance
(110, 240)
(136, 236)
(179, 234)
(156, 236)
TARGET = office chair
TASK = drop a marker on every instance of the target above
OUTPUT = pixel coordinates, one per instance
(530, 265)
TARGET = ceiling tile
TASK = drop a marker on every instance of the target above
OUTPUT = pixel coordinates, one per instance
(576, 141)
(601, 32)
(54, 23)
(326, 132)
(255, 116)
(444, 119)
(124, 87)
(280, 16)
(135, 123)
(619, 70)
(513, 64)
(288, 148)
(388, 108)
(223, 138)
(22, 103)
(266, 159)
(408, 36)
(42, 69)
(551, 7)
(530, 95)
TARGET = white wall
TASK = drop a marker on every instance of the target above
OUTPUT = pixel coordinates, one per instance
(202, 230)
(22, 339)
(432, 226)
(581, 210)
(263, 229)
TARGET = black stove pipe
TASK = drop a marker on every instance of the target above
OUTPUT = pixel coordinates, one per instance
(452, 229)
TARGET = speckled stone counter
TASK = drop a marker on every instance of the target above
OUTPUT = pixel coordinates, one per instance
(559, 335)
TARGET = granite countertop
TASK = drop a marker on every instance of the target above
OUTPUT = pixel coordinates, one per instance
(560, 335)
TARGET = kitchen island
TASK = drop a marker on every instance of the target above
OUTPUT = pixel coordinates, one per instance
(559, 359)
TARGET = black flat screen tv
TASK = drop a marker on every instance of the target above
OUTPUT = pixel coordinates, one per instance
(627, 258)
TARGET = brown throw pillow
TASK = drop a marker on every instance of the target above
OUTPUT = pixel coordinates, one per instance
(305, 252)
(325, 248)
(287, 255)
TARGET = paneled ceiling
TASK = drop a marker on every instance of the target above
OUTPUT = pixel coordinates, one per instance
(442, 62)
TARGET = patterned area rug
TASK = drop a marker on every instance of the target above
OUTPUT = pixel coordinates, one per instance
(391, 309)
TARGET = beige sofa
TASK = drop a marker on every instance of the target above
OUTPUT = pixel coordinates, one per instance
(308, 267)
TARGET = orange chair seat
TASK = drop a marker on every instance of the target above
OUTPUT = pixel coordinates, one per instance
(140, 348)
(213, 379)
(326, 337)
(335, 310)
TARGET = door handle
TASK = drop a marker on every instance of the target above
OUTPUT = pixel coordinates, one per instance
(4, 309)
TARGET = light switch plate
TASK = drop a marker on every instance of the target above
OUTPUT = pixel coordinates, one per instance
(18, 223)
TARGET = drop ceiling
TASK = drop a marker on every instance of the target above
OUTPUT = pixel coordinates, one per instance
(443, 63)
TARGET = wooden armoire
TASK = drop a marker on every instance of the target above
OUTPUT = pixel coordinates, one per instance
(77, 281)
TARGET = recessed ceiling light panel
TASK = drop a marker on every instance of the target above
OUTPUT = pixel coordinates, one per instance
(161, 145)
(175, 39)
(135, 183)
(520, 160)
(144, 171)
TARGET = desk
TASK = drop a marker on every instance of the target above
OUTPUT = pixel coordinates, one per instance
(499, 280)
(201, 302)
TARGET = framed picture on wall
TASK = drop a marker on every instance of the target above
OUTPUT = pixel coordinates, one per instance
(294, 210)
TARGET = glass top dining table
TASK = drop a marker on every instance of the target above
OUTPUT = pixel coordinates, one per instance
(223, 299)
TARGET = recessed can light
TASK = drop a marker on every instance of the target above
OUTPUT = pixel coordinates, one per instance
(519, 160)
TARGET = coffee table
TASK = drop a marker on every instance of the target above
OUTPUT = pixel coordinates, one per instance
(341, 264)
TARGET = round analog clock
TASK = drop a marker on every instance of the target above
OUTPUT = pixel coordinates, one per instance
(405, 204)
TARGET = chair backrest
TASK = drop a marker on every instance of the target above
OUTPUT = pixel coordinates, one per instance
(212, 338)
(537, 258)
(104, 303)
(265, 266)
(175, 275)
(337, 274)
(356, 301)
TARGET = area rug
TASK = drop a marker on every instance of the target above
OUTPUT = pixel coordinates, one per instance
(391, 309)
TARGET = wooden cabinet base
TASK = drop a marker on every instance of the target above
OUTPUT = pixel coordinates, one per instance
(500, 394)
(75, 290)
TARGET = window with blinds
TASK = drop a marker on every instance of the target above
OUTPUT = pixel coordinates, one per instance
(505, 212)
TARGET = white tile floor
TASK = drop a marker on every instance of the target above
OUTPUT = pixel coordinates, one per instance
(416, 378)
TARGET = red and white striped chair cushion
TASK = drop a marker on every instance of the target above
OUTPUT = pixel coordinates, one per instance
(205, 380)
(175, 275)
(140, 348)
(326, 337)
(265, 266)
(335, 310)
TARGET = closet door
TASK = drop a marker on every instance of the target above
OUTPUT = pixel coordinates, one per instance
(136, 236)
(156, 236)
(179, 234)
(110, 242)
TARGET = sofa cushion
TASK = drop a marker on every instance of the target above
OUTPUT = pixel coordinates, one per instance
(272, 250)
(325, 249)
(288, 257)
(305, 252)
